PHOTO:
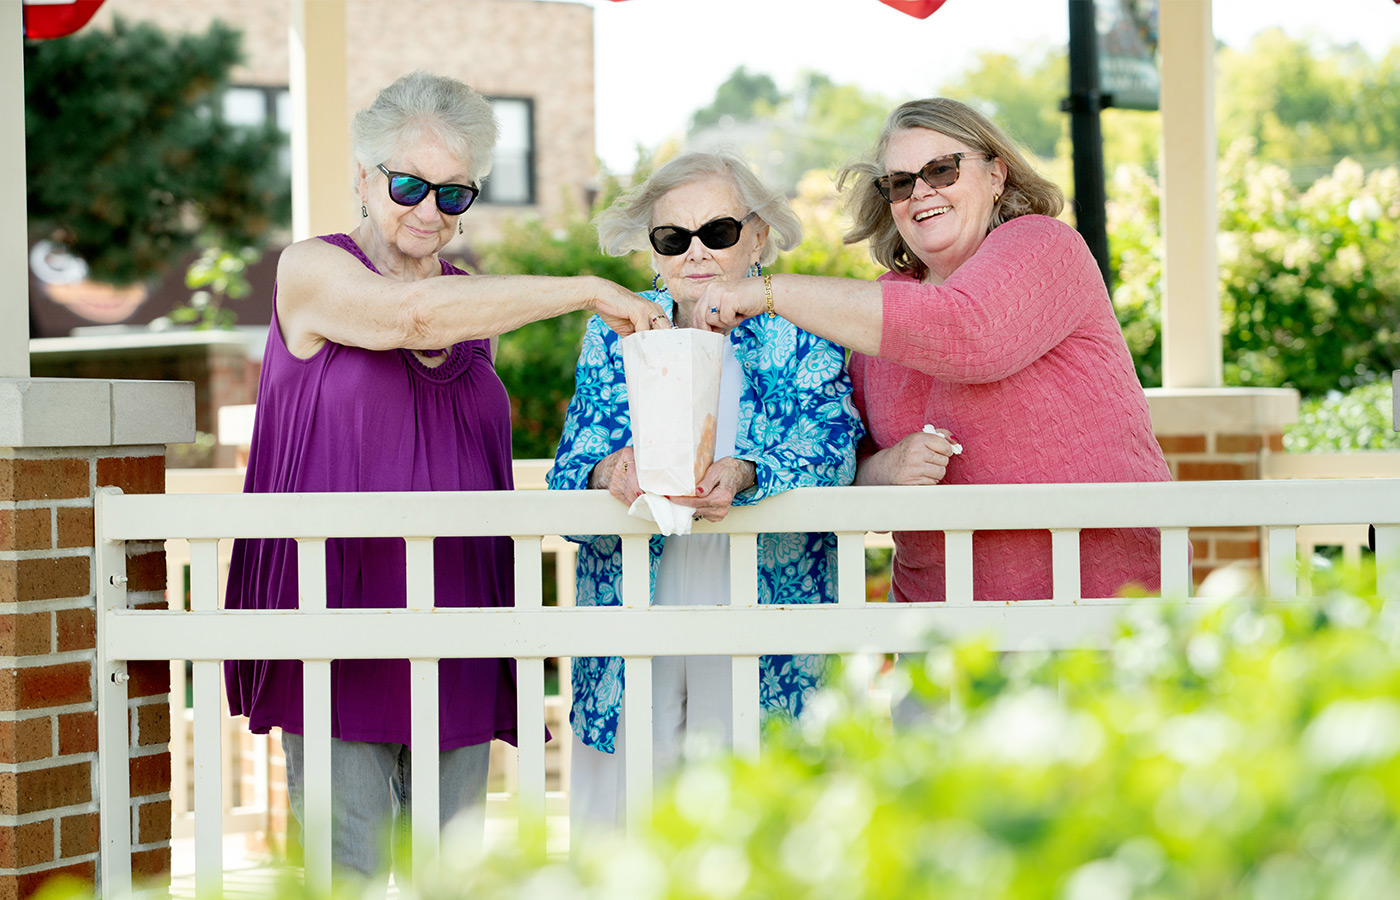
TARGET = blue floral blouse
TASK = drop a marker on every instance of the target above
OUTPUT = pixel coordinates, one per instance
(797, 425)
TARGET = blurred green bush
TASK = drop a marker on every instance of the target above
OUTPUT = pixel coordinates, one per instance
(1309, 277)
(1231, 751)
(1360, 419)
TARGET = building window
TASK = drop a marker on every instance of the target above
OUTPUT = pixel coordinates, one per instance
(252, 107)
(512, 178)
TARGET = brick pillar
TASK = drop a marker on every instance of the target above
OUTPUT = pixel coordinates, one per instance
(1221, 434)
(60, 441)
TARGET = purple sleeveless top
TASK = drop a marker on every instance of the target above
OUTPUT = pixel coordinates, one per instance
(350, 419)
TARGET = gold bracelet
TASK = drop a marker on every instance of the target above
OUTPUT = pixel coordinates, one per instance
(768, 294)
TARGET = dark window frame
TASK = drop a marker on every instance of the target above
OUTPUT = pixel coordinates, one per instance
(531, 184)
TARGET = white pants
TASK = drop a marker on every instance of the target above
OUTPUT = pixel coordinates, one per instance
(692, 696)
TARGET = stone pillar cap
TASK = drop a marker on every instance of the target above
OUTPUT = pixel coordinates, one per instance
(94, 412)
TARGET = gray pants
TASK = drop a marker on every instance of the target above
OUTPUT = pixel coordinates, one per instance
(372, 795)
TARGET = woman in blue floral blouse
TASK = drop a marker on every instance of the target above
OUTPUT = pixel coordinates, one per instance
(786, 420)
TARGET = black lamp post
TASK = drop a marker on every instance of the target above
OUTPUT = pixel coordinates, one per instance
(1083, 104)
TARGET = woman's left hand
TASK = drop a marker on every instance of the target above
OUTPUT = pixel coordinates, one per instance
(716, 491)
(727, 303)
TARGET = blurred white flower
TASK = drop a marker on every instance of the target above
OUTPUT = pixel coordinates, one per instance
(1354, 732)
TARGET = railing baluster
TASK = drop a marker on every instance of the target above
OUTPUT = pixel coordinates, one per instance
(424, 727)
(113, 742)
(529, 698)
(565, 566)
(1388, 561)
(636, 572)
(1176, 563)
(177, 554)
(1064, 553)
(316, 724)
(957, 556)
(1282, 571)
(850, 568)
(208, 732)
(743, 591)
(636, 737)
(636, 698)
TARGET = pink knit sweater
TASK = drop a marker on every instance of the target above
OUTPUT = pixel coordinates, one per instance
(1018, 354)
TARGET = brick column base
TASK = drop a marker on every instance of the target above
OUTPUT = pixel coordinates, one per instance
(1221, 434)
(59, 443)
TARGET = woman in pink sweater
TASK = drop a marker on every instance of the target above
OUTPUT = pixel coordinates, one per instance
(993, 324)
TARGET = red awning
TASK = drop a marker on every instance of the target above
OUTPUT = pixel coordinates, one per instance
(45, 19)
(919, 9)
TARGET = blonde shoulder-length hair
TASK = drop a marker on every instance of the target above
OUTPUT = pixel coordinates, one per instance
(623, 227)
(1025, 191)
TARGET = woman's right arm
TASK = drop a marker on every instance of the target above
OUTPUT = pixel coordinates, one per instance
(325, 294)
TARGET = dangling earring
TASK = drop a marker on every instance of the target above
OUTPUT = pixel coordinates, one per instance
(364, 213)
(755, 270)
(656, 281)
(459, 227)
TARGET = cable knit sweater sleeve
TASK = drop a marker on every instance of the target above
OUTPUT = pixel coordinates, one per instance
(1023, 292)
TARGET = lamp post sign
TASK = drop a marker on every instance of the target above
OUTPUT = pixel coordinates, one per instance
(1128, 74)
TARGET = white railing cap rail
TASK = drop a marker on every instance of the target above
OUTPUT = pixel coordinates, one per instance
(599, 631)
(839, 509)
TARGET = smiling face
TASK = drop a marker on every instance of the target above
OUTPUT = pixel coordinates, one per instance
(415, 232)
(690, 206)
(943, 226)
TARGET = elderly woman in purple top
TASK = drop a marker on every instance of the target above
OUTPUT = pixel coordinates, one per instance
(378, 376)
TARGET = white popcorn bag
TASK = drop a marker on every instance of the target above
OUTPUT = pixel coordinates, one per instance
(673, 399)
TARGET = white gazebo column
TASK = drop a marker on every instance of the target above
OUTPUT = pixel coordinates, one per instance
(14, 232)
(320, 128)
(1191, 345)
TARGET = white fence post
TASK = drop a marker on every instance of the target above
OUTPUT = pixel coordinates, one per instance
(743, 591)
(316, 726)
(208, 732)
(113, 742)
(424, 727)
(529, 676)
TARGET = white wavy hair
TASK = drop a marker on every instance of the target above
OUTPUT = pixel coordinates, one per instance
(622, 227)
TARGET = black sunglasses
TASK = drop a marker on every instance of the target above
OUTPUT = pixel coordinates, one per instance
(409, 190)
(717, 234)
(936, 173)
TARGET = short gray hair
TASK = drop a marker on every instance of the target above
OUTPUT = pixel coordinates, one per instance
(423, 102)
(623, 226)
(1025, 192)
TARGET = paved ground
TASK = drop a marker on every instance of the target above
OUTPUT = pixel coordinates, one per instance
(250, 877)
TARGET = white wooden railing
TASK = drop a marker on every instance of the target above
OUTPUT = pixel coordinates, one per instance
(1350, 537)
(637, 632)
(251, 761)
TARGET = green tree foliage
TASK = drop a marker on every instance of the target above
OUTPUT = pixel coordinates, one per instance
(833, 123)
(1306, 104)
(818, 125)
(742, 96)
(1360, 419)
(536, 362)
(1246, 750)
(1310, 279)
(129, 160)
(1022, 93)
(1134, 246)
